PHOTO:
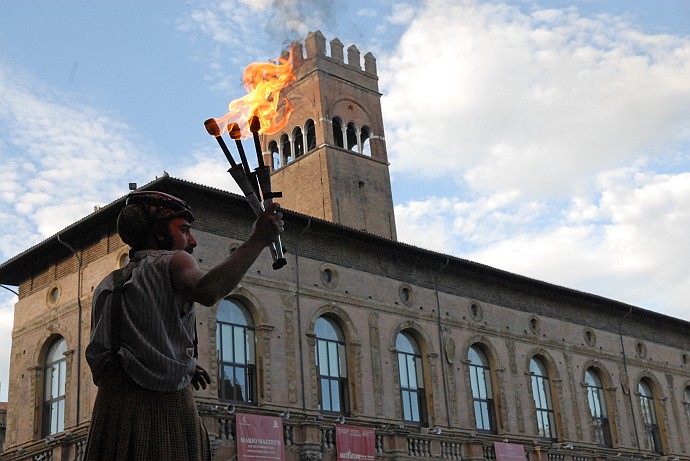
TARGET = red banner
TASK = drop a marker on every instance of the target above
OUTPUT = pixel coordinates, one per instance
(509, 452)
(354, 442)
(259, 437)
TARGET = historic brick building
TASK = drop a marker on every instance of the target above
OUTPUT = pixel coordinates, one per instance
(443, 357)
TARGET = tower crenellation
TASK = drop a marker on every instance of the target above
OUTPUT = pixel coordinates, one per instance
(353, 57)
(370, 63)
(337, 50)
(297, 54)
(315, 43)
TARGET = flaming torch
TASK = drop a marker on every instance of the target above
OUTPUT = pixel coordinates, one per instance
(257, 112)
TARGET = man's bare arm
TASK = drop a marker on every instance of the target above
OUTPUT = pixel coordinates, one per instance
(207, 288)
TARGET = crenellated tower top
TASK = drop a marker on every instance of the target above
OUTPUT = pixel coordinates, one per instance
(315, 44)
(330, 161)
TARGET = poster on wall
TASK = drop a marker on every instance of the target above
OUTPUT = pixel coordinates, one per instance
(353, 442)
(509, 452)
(259, 438)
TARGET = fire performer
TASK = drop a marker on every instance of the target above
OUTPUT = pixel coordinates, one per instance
(142, 351)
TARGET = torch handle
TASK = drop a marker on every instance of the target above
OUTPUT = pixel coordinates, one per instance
(263, 175)
(240, 177)
(247, 181)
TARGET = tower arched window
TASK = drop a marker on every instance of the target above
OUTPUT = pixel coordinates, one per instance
(597, 408)
(338, 137)
(411, 372)
(482, 391)
(651, 425)
(235, 344)
(543, 400)
(298, 142)
(286, 151)
(275, 154)
(351, 137)
(331, 363)
(365, 139)
(310, 129)
(55, 375)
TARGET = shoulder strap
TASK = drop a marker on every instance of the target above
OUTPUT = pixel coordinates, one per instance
(196, 341)
(116, 313)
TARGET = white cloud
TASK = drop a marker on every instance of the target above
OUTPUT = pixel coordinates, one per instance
(625, 240)
(402, 13)
(61, 159)
(498, 96)
(209, 168)
(568, 136)
(367, 13)
(424, 223)
(232, 33)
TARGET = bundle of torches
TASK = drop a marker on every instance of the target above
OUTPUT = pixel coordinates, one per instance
(258, 113)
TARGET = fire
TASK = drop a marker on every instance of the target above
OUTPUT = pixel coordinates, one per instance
(264, 83)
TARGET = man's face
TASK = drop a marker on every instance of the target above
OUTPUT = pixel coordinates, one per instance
(180, 235)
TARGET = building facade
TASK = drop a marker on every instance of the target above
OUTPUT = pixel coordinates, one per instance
(442, 357)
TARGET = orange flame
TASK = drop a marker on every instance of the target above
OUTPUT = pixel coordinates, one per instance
(264, 83)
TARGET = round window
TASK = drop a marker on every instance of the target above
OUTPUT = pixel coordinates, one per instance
(406, 295)
(53, 295)
(329, 276)
(534, 325)
(476, 312)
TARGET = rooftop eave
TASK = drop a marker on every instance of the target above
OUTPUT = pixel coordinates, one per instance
(91, 228)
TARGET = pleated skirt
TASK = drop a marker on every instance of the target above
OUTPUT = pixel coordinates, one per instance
(136, 424)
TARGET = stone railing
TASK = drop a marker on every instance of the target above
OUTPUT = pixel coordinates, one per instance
(312, 438)
(62, 447)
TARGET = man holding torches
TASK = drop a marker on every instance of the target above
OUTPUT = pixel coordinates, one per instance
(142, 351)
(143, 346)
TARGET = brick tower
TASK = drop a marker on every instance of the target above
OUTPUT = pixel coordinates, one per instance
(330, 162)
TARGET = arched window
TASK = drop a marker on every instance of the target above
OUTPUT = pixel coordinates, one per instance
(275, 154)
(651, 426)
(331, 363)
(597, 408)
(55, 371)
(411, 378)
(351, 136)
(311, 134)
(543, 401)
(366, 140)
(235, 344)
(298, 141)
(482, 392)
(338, 132)
(286, 152)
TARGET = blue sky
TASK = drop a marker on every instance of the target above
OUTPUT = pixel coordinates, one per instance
(546, 138)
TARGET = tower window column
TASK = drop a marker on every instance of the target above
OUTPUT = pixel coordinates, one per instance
(297, 141)
(285, 150)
